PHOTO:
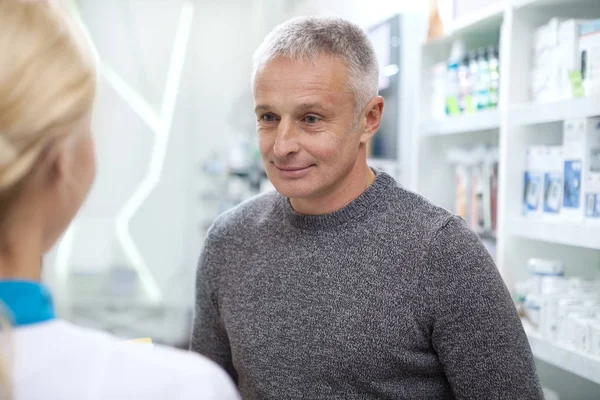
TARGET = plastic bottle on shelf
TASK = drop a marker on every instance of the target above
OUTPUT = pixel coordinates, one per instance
(494, 67)
(473, 78)
(566, 307)
(463, 83)
(452, 80)
(483, 80)
(438, 89)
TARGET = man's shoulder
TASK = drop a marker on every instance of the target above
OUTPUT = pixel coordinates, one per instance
(410, 209)
(248, 214)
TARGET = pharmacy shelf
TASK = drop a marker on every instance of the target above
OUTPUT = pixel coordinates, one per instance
(571, 360)
(571, 234)
(487, 19)
(540, 113)
(519, 4)
(490, 16)
(481, 121)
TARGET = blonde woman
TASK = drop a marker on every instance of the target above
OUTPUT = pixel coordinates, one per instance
(47, 87)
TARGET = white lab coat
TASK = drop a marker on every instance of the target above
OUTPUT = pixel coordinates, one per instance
(56, 360)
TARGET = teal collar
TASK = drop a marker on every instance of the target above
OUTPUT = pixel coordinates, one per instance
(28, 302)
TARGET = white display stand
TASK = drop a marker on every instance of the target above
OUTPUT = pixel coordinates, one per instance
(516, 124)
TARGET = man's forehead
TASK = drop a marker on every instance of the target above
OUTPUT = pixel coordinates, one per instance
(318, 74)
(300, 86)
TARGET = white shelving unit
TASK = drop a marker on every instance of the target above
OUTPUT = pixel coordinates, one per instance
(481, 121)
(566, 358)
(558, 111)
(475, 22)
(523, 4)
(515, 125)
(578, 235)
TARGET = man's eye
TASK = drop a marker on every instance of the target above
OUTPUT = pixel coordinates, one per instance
(311, 119)
(268, 118)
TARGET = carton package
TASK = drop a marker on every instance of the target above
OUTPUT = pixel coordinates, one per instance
(581, 138)
(553, 181)
(533, 180)
(589, 56)
(545, 79)
(568, 51)
(592, 178)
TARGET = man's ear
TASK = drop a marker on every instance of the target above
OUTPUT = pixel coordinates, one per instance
(372, 118)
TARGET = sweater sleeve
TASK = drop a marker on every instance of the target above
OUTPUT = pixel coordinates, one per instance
(476, 331)
(209, 336)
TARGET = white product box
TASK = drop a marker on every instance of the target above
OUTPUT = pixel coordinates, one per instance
(553, 162)
(545, 40)
(580, 137)
(595, 337)
(592, 200)
(592, 178)
(544, 84)
(546, 61)
(533, 185)
(568, 52)
(589, 51)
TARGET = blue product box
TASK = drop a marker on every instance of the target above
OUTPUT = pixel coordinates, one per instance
(572, 184)
(531, 192)
(553, 187)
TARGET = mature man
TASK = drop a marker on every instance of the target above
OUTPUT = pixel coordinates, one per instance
(342, 284)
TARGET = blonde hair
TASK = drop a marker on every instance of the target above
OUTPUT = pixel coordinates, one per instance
(47, 83)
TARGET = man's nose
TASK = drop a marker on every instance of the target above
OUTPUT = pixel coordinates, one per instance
(286, 140)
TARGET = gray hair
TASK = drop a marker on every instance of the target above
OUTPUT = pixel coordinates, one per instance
(305, 38)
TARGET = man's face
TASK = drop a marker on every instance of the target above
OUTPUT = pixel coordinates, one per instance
(305, 119)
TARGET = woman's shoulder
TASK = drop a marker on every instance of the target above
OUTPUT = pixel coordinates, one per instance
(108, 366)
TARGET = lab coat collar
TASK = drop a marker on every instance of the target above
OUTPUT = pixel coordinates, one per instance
(28, 302)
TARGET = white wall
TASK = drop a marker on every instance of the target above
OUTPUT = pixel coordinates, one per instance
(363, 13)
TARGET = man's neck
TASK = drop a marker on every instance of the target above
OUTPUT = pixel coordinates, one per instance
(342, 194)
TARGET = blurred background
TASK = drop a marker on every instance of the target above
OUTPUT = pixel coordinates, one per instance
(491, 111)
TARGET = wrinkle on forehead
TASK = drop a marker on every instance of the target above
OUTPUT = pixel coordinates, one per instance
(306, 81)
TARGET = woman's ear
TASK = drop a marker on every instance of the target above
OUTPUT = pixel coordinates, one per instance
(53, 164)
(373, 113)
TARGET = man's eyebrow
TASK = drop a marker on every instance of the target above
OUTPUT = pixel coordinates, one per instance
(314, 106)
(305, 106)
(261, 107)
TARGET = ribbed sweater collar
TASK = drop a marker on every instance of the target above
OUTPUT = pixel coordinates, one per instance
(353, 210)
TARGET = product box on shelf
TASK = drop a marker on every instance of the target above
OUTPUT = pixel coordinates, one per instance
(533, 180)
(545, 41)
(553, 181)
(581, 136)
(589, 55)
(594, 331)
(545, 79)
(592, 199)
(592, 178)
(568, 53)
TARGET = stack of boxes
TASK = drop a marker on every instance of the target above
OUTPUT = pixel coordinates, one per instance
(563, 51)
(589, 51)
(562, 183)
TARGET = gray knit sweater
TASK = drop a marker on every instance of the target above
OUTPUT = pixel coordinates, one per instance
(390, 297)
